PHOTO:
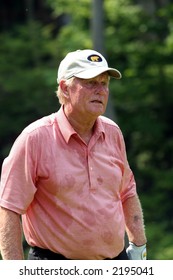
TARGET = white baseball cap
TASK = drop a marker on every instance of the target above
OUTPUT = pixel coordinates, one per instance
(85, 64)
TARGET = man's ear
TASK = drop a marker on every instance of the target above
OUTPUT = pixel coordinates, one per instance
(64, 87)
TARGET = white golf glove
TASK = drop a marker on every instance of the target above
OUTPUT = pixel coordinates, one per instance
(136, 252)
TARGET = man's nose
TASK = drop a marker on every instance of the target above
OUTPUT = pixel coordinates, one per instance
(101, 89)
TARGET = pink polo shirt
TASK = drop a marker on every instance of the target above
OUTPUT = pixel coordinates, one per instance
(69, 194)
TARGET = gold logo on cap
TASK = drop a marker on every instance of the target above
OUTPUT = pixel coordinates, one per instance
(94, 58)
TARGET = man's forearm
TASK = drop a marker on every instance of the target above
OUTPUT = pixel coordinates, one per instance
(134, 221)
(10, 235)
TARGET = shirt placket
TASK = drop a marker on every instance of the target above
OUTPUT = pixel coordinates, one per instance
(92, 167)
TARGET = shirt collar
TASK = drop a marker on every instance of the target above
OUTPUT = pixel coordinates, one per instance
(67, 130)
(65, 127)
(99, 128)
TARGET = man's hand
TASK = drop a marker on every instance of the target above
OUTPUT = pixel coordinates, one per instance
(136, 252)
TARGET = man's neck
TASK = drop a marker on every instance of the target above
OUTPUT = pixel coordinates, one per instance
(82, 126)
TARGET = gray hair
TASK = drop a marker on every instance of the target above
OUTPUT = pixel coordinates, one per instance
(59, 92)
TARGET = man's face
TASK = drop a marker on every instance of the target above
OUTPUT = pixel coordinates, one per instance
(89, 97)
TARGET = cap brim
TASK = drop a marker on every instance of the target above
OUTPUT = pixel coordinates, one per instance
(93, 72)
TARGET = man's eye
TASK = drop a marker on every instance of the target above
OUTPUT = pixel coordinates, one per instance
(92, 83)
(104, 83)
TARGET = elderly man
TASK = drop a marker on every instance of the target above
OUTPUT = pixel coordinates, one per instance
(68, 177)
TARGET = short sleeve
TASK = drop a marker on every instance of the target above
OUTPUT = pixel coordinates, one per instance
(18, 176)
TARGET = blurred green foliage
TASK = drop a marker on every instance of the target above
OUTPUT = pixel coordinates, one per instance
(139, 42)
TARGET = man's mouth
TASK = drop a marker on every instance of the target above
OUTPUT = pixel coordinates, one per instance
(97, 101)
